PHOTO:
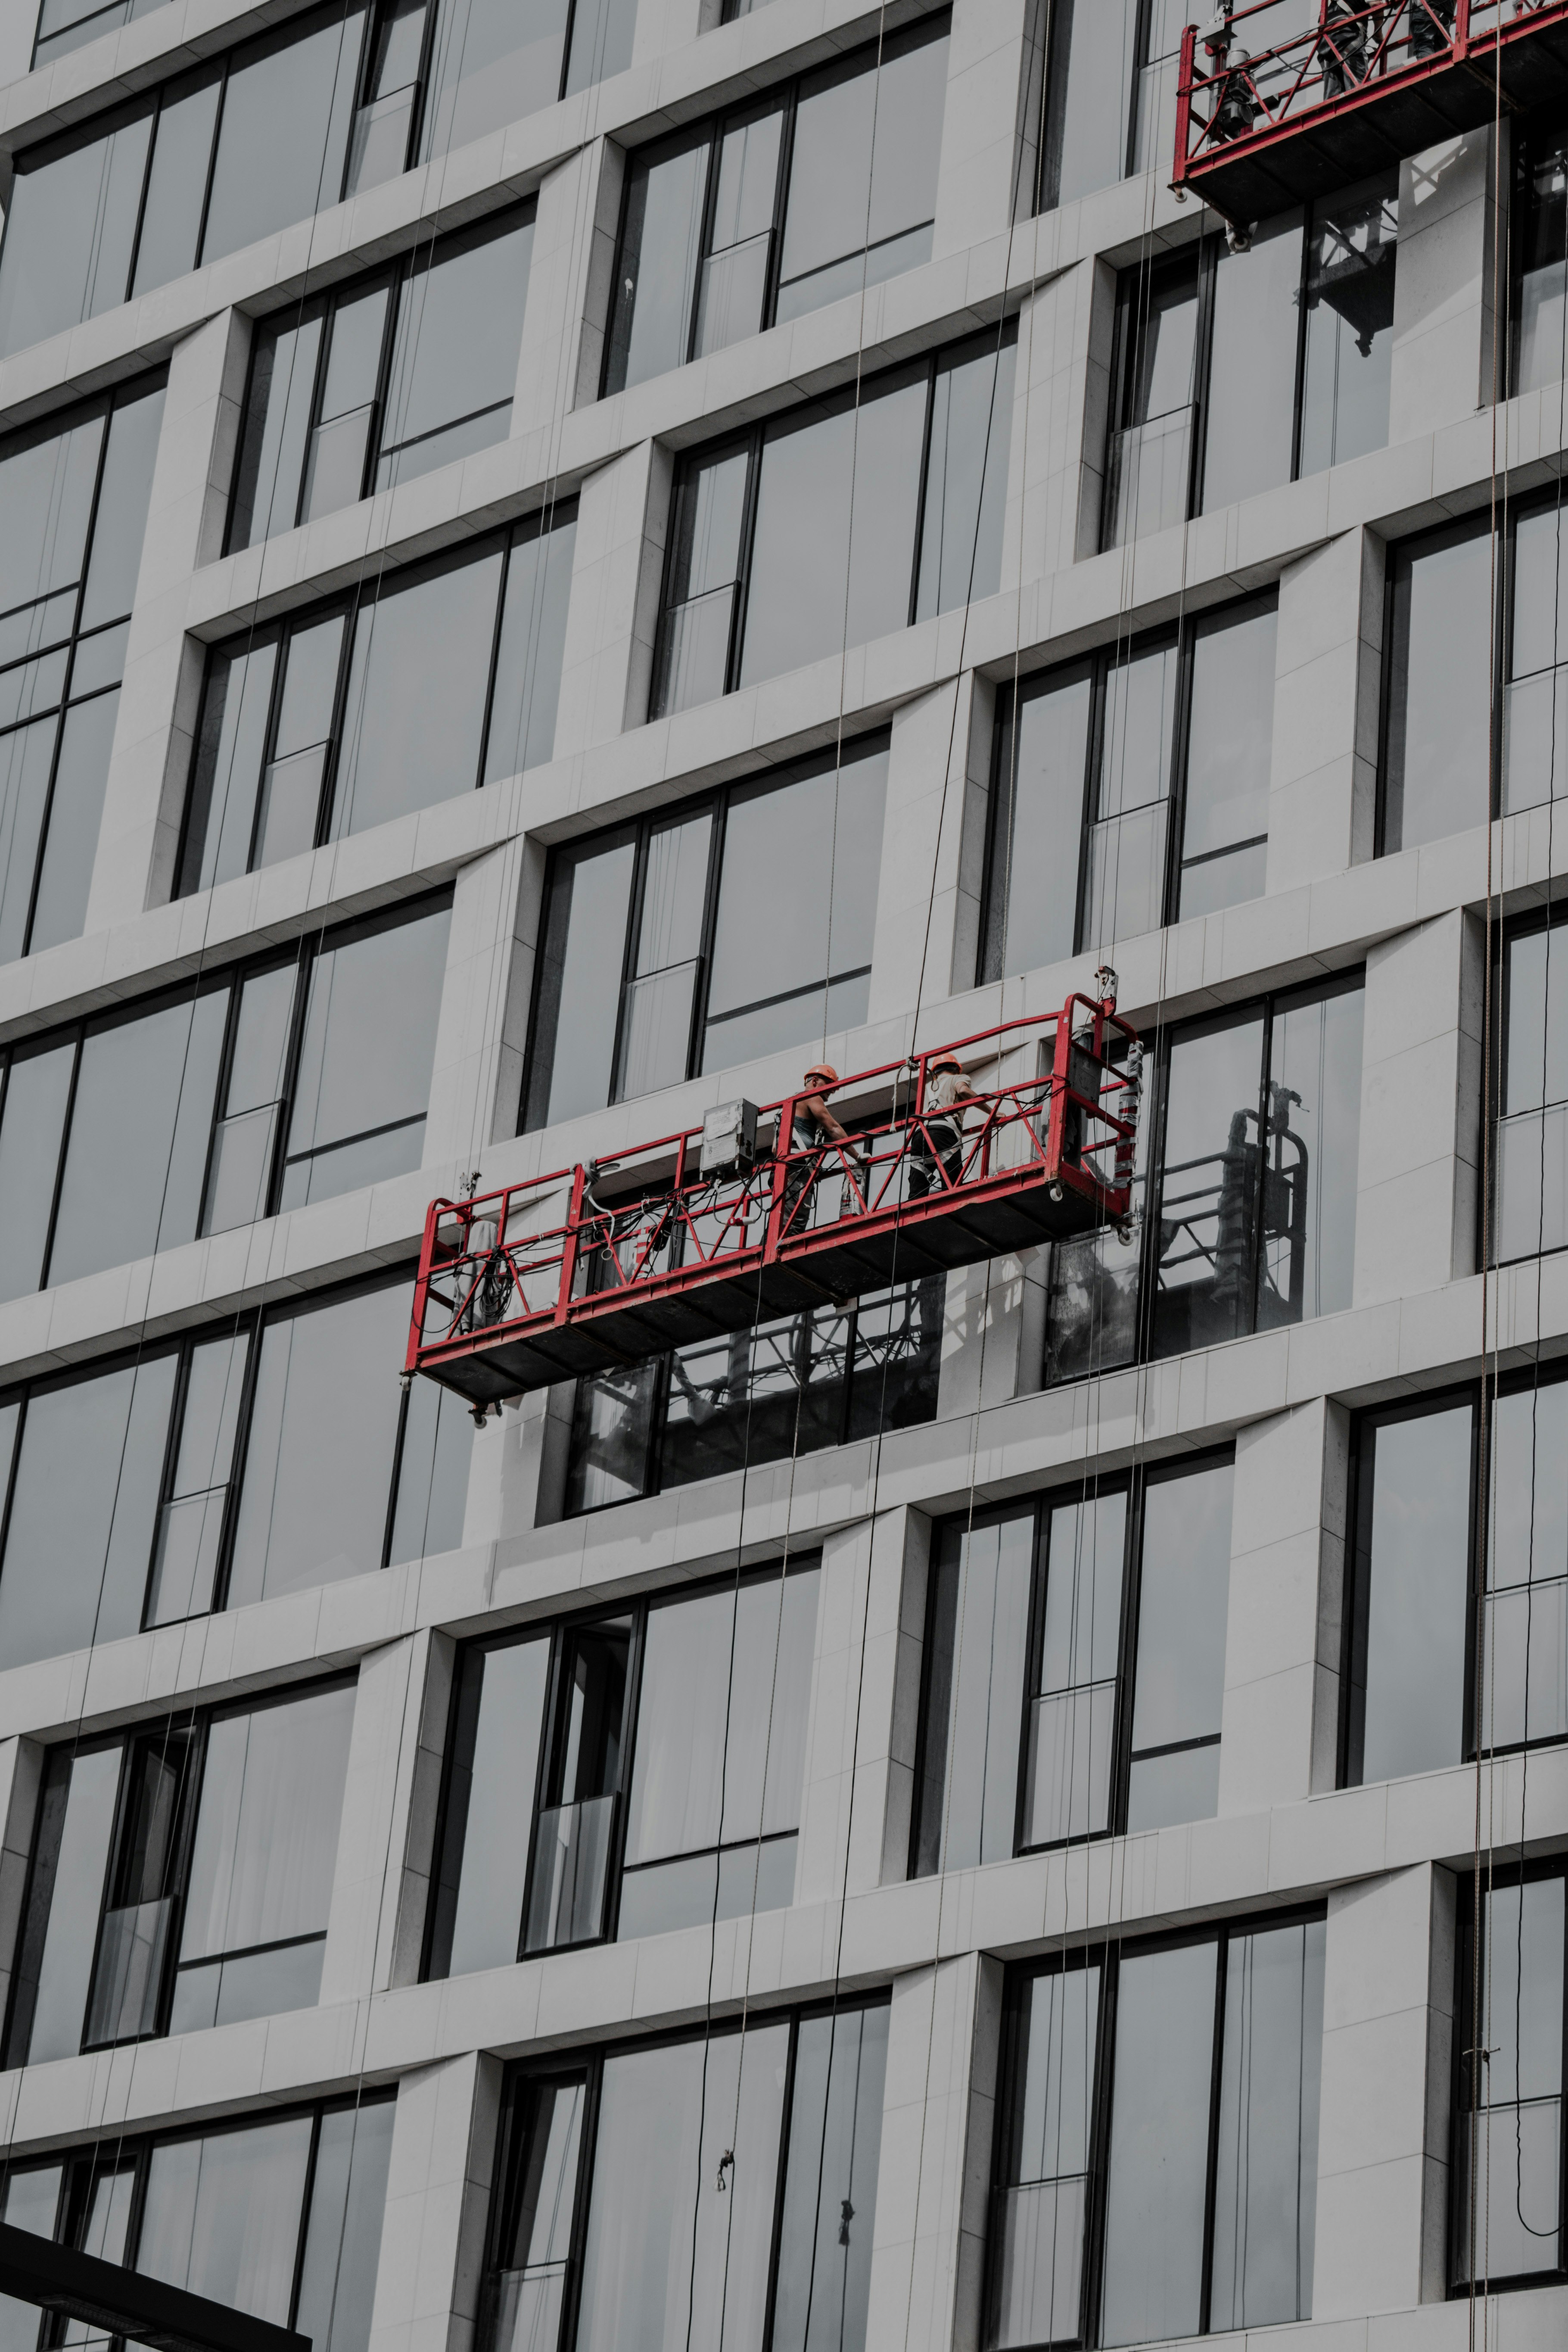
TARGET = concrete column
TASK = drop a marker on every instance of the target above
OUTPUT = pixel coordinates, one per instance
(937, 742)
(928, 2254)
(1441, 366)
(389, 1760)
(155, 730)
(482, 1029)
(564, 323)
(1322, 785)
(1056, 470)
(1418, 1177)
(606, 669)
(983, 121)
(850, 1765)
(431, 2271)
(1383, 2133)
(21, 1776)
(1280, 1722)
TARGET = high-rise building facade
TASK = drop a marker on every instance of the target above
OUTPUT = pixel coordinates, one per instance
(561, 559)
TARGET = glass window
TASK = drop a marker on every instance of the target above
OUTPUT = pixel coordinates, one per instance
(1530, 1206)
(1414, 1679)
(1173, 733)
(381, 381)
(819, 189)
(181, 1876)
(1131, 2079)
(709, 1778)
(1038, 1726)
(1234, 372)
(836, 523)
(704, 2150)
(438, 679)
(70, 226)
(1508, 2124)
(1108, 102)
(715, 955)
(1437, 753)
(1541, 207)
(67, 25)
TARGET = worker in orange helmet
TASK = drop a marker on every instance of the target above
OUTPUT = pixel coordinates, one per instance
(813, 1129)
(941, 1135)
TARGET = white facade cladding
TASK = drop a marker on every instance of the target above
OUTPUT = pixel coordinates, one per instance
(556, 563)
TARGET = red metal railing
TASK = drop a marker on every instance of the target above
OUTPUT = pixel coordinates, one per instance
(488, 1276)
(1252, 92)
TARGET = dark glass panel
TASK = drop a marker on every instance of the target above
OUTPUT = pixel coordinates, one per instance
(1509, 2151)
(580, 978)
(1251, 403)
(1439, 778)
(1230, 749)
(1179, 1685)
(1032, 886)
(84, 1504)
(309, 1516)
(283, 140)
(863, 173)
(284, 353)
(704, 569)
(144, 1103)
(531, 649)
(733, 284)
(222, 2214)
(602, 35)
(26, 758)
(46, 481)
(343, 2238)
(978, 1639)
(1038, 2231)
(755, 1396)
(830, 2182)
(1266, 2186)
(1092, 58)
(1208, 1187)
(650, 324)
(834, 542)
(495, 61)
(1307, 1256)
(659, 1000)
(966, 473)
(1349, 323)
(418, 680)
(177, 182)
(31, 2201)
(365, 1058)
(1526, 1634)
(498, 1722)
(1154, 2260)
(1542, 315)
(37, 1091)
(225, 775)
(612, 1427)
(1413, 1550)
(191, 1522)
(663, 2270)
(70, 226)
(432, 1475)
(1072, 1720)
(460, 325)
(75, 814)
(65, 1897)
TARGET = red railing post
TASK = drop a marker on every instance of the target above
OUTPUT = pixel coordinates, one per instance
(422, 1287)
(1462, 30)
(569, 1247)
(784, 1143)
(1184, 102)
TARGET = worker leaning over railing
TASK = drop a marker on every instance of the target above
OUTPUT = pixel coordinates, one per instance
(939, 1141)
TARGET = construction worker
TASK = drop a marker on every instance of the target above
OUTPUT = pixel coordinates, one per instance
(941, 1136)
(813, 1129)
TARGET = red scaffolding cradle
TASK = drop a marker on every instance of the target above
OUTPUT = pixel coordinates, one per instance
(1269, 114)
(647, 1251)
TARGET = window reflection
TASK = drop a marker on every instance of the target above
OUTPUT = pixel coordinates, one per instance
(684, 1815)
(1045, 1716)
(1508, 2116)
(823, 187)
(1541, 319)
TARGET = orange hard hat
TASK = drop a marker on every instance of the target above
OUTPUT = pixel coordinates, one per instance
(823, 1070)
(946, 1061)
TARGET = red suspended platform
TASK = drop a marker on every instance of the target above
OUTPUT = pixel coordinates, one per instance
(589, 1268)
(1270, 115)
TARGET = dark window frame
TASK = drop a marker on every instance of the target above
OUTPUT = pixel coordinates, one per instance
(1134, 1483)
(1049, 104)
(1553, 916)
(193, 1728)
(1183, 635)
(1108, 1956)
(784, 96)
(558, 1633)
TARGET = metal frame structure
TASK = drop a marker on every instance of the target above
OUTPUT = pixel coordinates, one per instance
(1263, 126)
(676, 1256)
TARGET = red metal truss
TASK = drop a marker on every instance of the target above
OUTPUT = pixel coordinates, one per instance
(643, 1252)
(1270, 115)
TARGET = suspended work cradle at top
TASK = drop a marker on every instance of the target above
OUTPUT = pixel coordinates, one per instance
(737, 1222)
(1285, 100)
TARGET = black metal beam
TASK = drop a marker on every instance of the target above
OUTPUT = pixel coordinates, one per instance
(126, 2303)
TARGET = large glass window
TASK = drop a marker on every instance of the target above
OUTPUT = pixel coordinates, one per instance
(284, 126)
(73, 507)
(289, 1081)
(1155, 756)
(1232, 371)
(680, 944)
(181, 1878)
(1417, 1695)
(383, 380)
(1251, 1131)
(194, 1478)
(424, 683)
(825, 186)
(1529, 1109)
(626, 1775)
(1156, 2157)
(1539, 252)
(65, 24)
(1507, 2171)
(278, 2217)
(838, 522)
(717, 2188)
(1074, 1668)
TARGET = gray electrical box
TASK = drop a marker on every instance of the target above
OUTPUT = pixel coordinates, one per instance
(729, 1140)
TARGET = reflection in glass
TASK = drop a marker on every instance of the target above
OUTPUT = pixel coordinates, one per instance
(1266, 2184)
(1090, 73)
(1541, 355)
(1407, 1711)
(1437, 762)
(1032, 888)
(830, 2181)
(1152, 2282)
(1179, 1687)
(1349, 323)
(1072, 1722)
(1038, 2227)
(977, 1640)
(1511, 2122)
